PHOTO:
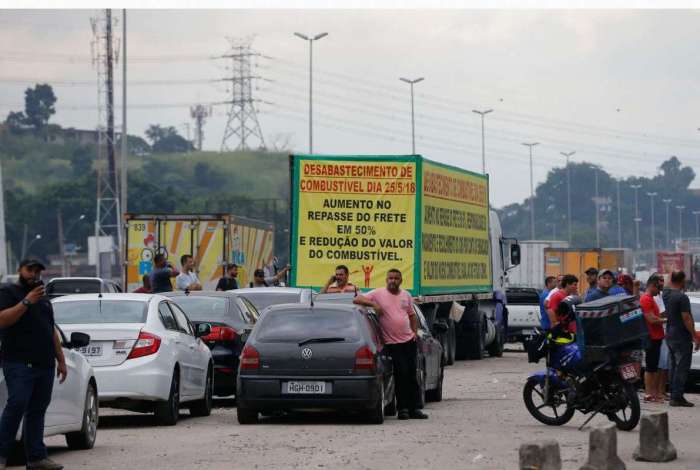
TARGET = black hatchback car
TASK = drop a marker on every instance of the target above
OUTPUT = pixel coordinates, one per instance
(315, 356)
(232, 318)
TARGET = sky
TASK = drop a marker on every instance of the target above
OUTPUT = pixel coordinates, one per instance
(618, 87)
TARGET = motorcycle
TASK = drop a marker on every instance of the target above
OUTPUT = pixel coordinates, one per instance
(570, 383)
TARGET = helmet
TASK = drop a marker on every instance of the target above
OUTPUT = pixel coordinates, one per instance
(567, 307)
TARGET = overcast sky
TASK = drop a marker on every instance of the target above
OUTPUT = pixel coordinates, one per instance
(618, 87)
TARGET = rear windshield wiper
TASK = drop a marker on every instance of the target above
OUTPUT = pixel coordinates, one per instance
(332, 339)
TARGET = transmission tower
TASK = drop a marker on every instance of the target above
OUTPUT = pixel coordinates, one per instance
(242, 123)
(200, 114)
(104, 56)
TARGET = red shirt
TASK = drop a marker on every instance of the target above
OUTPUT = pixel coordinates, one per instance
(651, 309)
(554, 302)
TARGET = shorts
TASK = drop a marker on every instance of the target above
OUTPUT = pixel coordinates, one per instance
(653, 352)
(663, 357)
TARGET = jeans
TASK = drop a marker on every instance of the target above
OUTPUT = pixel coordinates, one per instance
(405, 362)
(680, 357)
(28, 396)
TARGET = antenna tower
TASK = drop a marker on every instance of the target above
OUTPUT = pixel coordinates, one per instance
(104, 55)
(200, 114)
(242, 123)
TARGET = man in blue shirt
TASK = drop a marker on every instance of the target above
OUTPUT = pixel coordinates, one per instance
(550, 283)
(605, 287)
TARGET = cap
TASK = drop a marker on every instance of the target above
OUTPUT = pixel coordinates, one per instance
(32, 262)
(606, 271)
(590, 271)
(259, 273)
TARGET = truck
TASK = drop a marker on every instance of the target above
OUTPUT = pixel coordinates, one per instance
(669, 261)
(431, 221)
(214, 240)
(530, 272)
(576, 261)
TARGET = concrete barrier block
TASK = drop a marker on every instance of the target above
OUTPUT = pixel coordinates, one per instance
(654, 443)
(541, 455)
(602, 450)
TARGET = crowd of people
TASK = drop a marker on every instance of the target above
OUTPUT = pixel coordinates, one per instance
(666, 310)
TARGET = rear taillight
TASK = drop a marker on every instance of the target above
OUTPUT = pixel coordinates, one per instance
(250, 358)
(364, 359)
(220, 333)
(145, 345)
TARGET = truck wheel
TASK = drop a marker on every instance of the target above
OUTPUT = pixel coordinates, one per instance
(474, 339)
(451, 342)
(496, 348)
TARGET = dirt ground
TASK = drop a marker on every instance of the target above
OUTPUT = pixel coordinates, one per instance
(480, 424)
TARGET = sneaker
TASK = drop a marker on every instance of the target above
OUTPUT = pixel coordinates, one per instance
(403, 414)
(418, 414)
(44, 464)
(681, 402)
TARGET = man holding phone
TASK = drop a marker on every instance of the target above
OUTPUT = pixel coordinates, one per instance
(338, 282)
(31, 355)
(160, 276)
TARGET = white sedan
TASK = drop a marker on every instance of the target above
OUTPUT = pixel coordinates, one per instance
(73, 410)
(694, 375)
(146, 354)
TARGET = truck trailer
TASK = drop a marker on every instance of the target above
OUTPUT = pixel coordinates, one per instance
(429, 220)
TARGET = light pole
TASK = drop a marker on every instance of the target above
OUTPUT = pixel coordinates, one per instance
(653, 224)
(568, 190)
(697, 224)
(483, 144)
(311, 40)
(532, 192)
(29, 245)
(680, 222)
(619, 217)
(64, 235)
(413, 116)
(637, 219)
(668, 231)
(597, 211)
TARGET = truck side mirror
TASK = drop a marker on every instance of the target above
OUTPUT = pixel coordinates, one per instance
(514, 254)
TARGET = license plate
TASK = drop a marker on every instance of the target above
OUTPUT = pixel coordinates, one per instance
(311, 388)
(628, 371)
(91, 350)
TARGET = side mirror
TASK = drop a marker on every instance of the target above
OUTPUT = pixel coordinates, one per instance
(203, 329)
(78, 340)
(514, 254)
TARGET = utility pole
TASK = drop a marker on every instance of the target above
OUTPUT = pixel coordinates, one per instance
(637, 219)
(310, 40)
(568, 155)
(680, 223)
(124, 156)
(619, 217)
(697, 224)
(668, 231)
(413, 117)
(483, 136)
(61, 242)
(653, 223)
(597, 212)
(532, 191)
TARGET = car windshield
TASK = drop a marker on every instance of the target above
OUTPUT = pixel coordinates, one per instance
(100, 311)
(210, 309)
(73, 286)
(294, 326)
(267, 298)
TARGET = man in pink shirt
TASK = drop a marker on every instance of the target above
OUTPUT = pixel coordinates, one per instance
(397, 319)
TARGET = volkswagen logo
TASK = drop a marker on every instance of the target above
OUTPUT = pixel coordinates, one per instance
(306, 353)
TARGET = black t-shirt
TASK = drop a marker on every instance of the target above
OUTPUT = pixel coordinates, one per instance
(30, 340)
(227, 283)
(676, 303)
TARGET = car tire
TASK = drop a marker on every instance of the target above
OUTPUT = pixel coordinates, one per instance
(421, 386)
(391, 408)
(167, 412)
(376, 414)
(203, 407)
(496, 348)
(246, 415)
(86, 437)
(475, 338)
(436, 393)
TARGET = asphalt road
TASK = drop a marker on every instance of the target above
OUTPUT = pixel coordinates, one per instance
(480, 424)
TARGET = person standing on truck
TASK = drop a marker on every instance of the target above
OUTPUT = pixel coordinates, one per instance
(187, 280)
(550, 283)
(230, 281)
(339, 282)
(569, 286)
(31, 357)
(161, 274)
(680, 336)
(260, 280)
(652, 315)
(399, 325)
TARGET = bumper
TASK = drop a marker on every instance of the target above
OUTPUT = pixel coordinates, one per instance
(346, 393)
(224, 380)
(144, 379)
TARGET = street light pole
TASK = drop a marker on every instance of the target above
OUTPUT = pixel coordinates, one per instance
(65, 266)
(619, 217)
(597, 211)
(668, 231)
(680, 223)
(653, 224)
(532, 192)
(697, 224)
(413, 116)
(26, 249)
(483, 144)
(637, 219)
(568, 190)
(311, 40)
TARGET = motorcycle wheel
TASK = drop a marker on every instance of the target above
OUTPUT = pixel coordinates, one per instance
(627, 417)
(562, 410)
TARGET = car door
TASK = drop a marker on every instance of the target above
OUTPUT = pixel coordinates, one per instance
(174, 339)
(429, 346)
(194, 370)
(67, 398)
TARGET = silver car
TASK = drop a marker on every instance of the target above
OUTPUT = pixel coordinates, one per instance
(263, 297)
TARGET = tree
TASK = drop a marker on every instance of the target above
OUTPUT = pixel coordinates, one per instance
(16, 122)
(167, 140)
(39, 106)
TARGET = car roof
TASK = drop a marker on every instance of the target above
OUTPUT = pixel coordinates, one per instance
(200, 293)
(77, 278)
(277, 290)
(316, 306)
(108, 296)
